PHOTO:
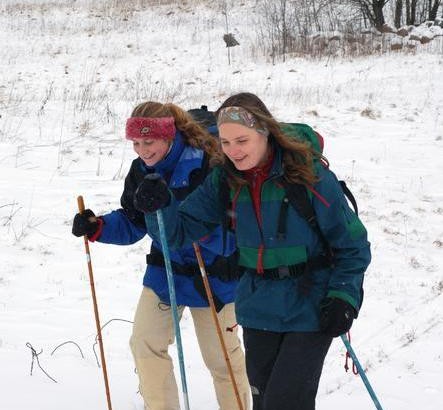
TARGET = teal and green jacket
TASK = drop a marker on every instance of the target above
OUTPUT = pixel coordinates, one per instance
(279, 305)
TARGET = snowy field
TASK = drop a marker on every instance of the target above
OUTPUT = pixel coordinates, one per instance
(69, 78)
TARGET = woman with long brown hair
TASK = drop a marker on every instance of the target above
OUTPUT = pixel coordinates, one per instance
(169, 142)
(302, 272)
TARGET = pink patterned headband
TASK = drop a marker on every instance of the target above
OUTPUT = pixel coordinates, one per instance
(238, 115)
(144, 127)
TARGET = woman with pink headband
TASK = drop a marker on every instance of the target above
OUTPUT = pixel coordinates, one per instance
(302, 262)
(169, 142)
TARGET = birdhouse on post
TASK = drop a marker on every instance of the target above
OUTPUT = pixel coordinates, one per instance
(230, 40)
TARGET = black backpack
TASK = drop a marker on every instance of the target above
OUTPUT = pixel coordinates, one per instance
(205, 118)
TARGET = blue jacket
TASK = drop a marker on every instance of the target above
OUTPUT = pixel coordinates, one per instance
(183, 165)
(280, 305)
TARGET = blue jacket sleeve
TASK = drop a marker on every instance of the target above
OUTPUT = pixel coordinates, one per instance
(197, 216)
(119, 230)
(346, 236)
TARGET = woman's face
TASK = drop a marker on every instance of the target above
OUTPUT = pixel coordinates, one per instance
(151, 150)
(244, 146)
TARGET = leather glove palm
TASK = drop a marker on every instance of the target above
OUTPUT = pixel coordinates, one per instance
(152, 194)
(336, 316)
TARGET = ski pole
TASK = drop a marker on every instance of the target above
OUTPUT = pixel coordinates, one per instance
(361, 372)
(81, 208)
(201, 265)
(174, 309)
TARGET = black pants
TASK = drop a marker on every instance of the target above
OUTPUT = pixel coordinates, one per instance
(284, 368)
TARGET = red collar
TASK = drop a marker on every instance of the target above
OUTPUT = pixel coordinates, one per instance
(260, 170)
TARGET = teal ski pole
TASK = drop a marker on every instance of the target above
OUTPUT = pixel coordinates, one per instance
(174, 309)
(361, 372)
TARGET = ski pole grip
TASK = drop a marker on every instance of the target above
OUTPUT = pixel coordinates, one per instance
(81, 204)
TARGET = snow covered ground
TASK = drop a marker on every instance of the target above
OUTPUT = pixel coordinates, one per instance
(70, 75)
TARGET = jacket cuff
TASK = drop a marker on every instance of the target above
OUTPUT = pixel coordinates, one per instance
(98, 232)
(343, 296)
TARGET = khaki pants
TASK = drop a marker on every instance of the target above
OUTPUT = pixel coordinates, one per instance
(153, 332)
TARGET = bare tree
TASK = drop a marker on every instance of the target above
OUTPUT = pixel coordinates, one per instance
(411, 8)
(275, 30)
(398, 13)
(372, 10)
(433, 9)
(418, 11)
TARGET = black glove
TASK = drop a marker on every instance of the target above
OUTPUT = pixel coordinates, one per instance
(336, 316)
(225, 268)
(152, 194)
(85, 223)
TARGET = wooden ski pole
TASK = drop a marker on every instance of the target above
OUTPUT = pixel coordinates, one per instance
(201, 265)
(81, 208)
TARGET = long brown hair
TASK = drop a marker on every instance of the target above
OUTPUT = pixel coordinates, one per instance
(193, 133)
(298, 156)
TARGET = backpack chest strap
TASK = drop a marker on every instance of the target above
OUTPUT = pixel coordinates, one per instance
(294, 271)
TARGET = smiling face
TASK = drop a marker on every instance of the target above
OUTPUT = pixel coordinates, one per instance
(151, 150)
(244, 146)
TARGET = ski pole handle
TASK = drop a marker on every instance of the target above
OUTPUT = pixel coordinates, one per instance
(81, 204)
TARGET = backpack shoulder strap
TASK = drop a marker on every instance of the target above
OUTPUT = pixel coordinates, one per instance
(298, 197)
(349, 195)
(196, 178)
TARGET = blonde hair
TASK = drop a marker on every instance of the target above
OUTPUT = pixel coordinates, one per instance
(193, 133)
(298, 156)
